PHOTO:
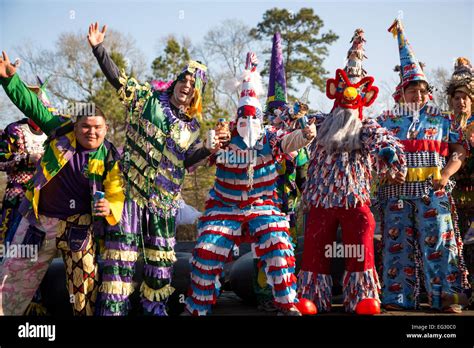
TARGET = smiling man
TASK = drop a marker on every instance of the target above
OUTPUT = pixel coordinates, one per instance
(420, 242)
(162, 141)
(58, 212)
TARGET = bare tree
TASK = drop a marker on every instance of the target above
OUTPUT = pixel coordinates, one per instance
(438, 78)
(224, 48)
(71, 66)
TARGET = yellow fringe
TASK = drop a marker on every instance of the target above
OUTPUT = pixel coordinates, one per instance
(160, 255)
(156, 295)
(421, 174)
(122, 255)
(261, 278)
(117, 288)
(130, 88)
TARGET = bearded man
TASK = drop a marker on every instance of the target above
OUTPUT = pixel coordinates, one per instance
(337, 192)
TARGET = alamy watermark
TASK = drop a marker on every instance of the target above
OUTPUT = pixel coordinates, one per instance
(335, 250)
(76, 109)
(230, 156)
(37, 331)
(19, 251)
(412, 109)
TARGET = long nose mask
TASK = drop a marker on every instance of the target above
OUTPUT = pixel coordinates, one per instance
(250, 129)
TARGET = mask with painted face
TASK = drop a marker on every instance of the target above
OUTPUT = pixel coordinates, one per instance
(250, 129)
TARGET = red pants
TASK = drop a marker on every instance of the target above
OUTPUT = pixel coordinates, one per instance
(358, 225)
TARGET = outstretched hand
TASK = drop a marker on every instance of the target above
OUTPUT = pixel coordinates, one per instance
(309, 132)
(7, 69)
(96, 36)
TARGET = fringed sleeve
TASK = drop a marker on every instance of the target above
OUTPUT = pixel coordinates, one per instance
(386, 149)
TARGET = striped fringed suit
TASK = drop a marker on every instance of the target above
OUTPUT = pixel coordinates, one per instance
(235, 211)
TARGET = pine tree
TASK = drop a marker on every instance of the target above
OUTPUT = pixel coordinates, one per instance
(304, 46)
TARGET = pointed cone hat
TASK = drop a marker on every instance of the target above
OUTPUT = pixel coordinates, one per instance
(277, 85)
(410, 67)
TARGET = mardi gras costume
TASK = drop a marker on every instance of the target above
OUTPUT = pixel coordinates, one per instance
(462, 80)
(57, 209)
(161, 142)
(282, 120)
(419, 241)
(243, 203)
(337, 189)
(17, 142)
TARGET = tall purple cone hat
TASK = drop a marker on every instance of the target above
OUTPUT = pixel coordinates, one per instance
(410, 67)
(277, 85)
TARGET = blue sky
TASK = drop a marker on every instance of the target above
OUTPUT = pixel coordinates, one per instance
(439, 31)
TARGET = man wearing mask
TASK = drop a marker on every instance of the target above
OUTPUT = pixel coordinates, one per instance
(243, 204)
(348, 147)
(21, 146)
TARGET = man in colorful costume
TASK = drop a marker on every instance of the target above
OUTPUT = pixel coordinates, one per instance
(282, 118)
(460, 91)
(347, 149)
(243, 203)
(418, 236)
(21, 146)
(162, 141)
(57, 211)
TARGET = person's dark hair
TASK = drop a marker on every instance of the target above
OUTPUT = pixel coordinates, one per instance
(180, 77)
(418, 83)
(88, 110)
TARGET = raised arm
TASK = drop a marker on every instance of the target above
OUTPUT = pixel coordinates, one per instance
(107, 65)
(27, 101)
(128, 88)
(298, 139)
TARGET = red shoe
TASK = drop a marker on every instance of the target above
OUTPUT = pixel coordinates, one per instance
(306, 307)
(368, 306)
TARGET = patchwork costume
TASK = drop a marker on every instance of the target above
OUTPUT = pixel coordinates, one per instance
(17, 142)
(419, 240)
(337, 191)
(243, 205)
(57, 209)
(161, 142)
